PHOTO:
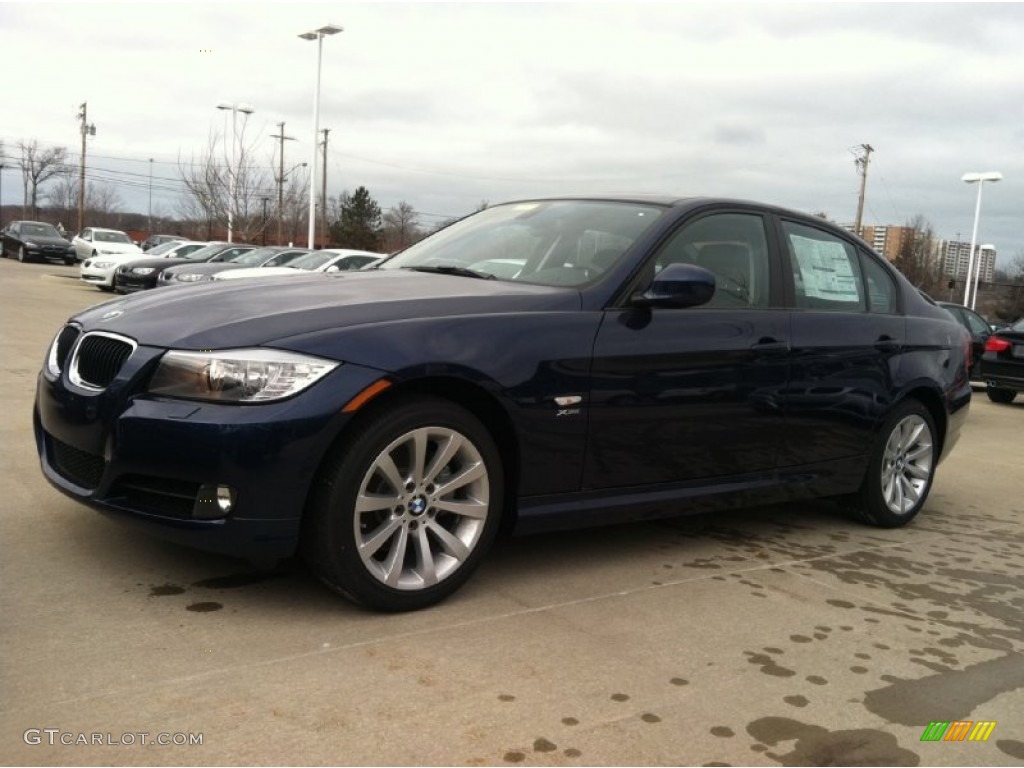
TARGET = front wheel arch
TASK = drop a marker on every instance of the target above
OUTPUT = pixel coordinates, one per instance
(335, 551)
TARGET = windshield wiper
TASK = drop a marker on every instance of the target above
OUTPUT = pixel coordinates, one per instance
(453, 270)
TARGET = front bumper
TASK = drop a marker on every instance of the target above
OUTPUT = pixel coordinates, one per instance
(128, 282)
(95, 276)
(148, 461)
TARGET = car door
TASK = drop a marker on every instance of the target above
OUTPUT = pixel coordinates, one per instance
(847, 337)
(691, 394)
(10, 237)
(83, 244)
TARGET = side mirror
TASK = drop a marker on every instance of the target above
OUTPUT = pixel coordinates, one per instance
(333, 268)
(677, 286)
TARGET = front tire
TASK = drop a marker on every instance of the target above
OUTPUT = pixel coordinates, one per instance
(406, 506)
(901, 468)
(1002, 396)
(21, 254)
(105, 288)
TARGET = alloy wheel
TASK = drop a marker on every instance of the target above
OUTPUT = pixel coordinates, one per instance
(421, 508)
(907, 464)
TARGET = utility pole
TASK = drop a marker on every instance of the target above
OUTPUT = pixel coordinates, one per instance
(86, 130)
(861, 161)
(265, 201)
(150, 223)
(280, 178)
(323, 196)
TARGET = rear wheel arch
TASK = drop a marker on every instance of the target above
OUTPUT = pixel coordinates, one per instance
(931, 400)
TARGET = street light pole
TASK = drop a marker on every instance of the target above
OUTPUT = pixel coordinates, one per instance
(232, 171)
(979, 179)
(318, 35)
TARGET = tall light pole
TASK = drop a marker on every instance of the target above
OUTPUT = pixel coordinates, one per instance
(2, 166)
(232, 171)
(979, 179)
(318, 35)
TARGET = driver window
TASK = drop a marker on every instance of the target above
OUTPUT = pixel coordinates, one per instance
(734, 248)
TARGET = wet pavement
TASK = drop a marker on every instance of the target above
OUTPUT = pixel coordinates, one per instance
(786, 635)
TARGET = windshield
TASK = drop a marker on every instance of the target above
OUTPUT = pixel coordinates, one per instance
(106, 236)
(163, 248)
(550, 242)
(39, 230)
(312, 260)
(255, 258)
(208, 252)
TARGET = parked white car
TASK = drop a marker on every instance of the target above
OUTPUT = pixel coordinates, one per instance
(93, 241)
(99, 270)
(327, 260)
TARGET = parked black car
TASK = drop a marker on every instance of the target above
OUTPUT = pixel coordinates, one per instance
(141, 275)
(652, 357)
(978, 329)
(35, 241)
(1002, 365)
(268, 256)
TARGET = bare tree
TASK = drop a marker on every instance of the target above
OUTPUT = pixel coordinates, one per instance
(210, 182)
(38, 165)
(400, 227)
(103, 204)
(918, 257)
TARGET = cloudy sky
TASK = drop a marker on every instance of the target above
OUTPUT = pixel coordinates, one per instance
(447, 104)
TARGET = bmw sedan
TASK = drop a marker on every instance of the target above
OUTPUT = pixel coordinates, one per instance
(35, 241)
(652, 357)
(100, 270)
(252, 258)
(334, 260)
(143, 274)
(1002, 364)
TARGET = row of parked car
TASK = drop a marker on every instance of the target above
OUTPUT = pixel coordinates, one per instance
(114, 262)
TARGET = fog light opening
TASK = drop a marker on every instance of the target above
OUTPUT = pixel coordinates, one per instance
(214, 501)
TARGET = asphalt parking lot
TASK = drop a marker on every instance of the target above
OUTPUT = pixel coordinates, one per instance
(782, 635)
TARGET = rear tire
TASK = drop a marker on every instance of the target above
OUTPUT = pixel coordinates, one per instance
(406, 506)
(901, 469)
(1002, 396)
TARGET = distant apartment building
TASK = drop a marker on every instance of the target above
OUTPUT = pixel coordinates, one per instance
(884, 240)
(956, 255)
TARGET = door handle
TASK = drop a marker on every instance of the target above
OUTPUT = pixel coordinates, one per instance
(886, 343)
(770, 346)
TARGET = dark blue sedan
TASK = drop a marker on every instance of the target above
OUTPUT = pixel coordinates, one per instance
(648, 357)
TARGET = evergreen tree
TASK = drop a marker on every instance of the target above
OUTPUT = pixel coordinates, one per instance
(359, 225)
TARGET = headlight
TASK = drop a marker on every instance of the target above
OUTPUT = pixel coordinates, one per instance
(192, 277)
(237, 376)
(31, 244)
(143, 270)
(101, 264)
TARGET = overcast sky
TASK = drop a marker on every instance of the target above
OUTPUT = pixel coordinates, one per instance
(447, 104)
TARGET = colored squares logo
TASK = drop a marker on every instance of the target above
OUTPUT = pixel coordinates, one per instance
(958, 730)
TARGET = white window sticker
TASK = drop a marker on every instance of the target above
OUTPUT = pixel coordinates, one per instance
(825, 269)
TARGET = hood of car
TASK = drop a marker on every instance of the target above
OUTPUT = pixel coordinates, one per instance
(253, 312)
(261, 272)
(114, 248)
(202, 267)
(46, 240)
(158, 262)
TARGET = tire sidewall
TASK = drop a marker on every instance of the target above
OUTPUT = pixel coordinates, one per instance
(872, 498)
(331, 539)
